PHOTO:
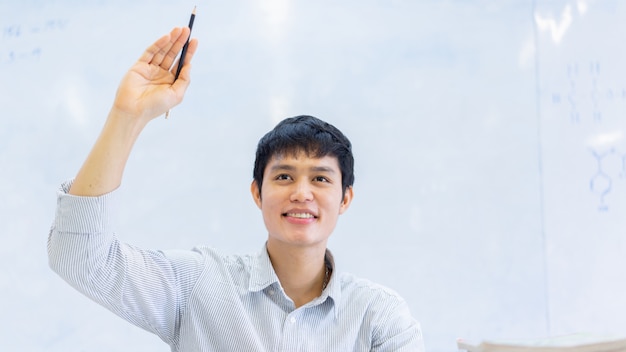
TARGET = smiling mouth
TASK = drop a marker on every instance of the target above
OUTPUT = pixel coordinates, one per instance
(300, 215)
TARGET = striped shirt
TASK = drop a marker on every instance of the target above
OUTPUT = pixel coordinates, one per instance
(202, 300)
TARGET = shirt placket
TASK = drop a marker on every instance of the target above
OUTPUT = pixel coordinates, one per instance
(291, 332)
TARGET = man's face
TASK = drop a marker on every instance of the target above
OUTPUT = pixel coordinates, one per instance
(301, 199)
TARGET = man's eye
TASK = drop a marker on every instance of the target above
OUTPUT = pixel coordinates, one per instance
(283, 177)
(321, 179)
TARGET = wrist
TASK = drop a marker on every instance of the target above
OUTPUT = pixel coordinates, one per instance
(124, 125)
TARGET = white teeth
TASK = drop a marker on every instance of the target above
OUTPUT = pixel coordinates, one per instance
(300, 215)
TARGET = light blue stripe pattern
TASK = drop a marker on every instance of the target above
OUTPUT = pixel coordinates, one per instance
(202, 300)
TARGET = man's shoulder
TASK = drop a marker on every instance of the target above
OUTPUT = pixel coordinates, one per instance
(208, 255)
(212, 253)
(357, 287)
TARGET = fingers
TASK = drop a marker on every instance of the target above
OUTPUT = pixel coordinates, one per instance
(185, 72)
(179, 87)
(177, 45)
(164, 51)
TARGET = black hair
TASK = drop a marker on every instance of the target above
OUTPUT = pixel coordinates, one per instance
(308, 134)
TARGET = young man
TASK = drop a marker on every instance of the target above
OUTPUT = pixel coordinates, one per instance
(287, 297)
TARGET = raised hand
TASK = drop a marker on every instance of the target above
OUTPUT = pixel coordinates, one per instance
(148, 89)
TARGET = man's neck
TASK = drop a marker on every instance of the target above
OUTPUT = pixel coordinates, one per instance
(301, 271)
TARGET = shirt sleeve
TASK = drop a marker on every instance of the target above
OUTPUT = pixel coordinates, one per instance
(147, 288)
(398, 330)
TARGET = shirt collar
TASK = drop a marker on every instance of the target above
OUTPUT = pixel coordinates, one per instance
(262, 272)
(263, 275)
(333, 289)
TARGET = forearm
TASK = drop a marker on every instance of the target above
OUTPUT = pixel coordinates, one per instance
(102, 171)
(147, 90)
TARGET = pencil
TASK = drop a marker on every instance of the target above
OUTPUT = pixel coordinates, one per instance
(181, 60)
(184, 52)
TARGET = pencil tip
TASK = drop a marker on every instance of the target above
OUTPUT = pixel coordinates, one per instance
(194, 10)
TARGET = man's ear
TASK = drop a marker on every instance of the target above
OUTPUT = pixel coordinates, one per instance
(256, 193)
(347, 199)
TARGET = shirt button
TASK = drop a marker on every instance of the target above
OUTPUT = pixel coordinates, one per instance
(292, 320)
(271, 292)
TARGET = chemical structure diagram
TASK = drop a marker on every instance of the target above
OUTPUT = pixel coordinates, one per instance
(590, 99)
(585, 95)
(611, 168)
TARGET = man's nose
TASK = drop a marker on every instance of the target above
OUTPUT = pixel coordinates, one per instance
(302, 192)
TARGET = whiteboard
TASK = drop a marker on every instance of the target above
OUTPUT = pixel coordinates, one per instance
(583, 125)
(488, 138)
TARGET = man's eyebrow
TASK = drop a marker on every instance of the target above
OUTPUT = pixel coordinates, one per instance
(282, 167)
(323, 169)
(285, 167)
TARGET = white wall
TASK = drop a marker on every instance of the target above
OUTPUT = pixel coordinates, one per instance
(477, 126)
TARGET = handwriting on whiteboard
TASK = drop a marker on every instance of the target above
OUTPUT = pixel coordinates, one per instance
(21, 42)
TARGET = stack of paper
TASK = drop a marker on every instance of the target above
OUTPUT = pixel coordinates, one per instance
(565, 343)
